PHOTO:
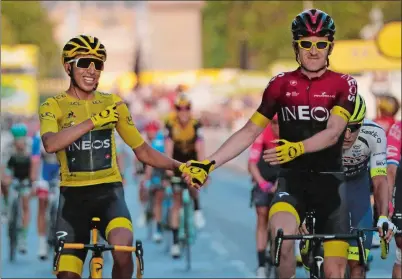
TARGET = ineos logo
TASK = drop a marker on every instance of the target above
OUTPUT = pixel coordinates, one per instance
(319, 114)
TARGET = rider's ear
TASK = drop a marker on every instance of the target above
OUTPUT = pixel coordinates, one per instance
(331, 48)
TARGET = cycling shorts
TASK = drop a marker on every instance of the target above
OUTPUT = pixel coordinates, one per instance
(158, 175)
(357, 194)
(77, 207)
(397, 201)
(299, 192)
(177, 182)
(259, 198)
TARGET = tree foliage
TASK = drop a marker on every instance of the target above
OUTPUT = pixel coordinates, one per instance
(266, 27)
(27, 22)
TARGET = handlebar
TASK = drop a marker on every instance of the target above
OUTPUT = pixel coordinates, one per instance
(384, 244)
(359, 236)
(100, 248)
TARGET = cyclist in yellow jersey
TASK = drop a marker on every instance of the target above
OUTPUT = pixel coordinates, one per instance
(183, 140)
(78, 125)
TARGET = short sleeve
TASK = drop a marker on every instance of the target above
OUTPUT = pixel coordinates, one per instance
(269, 106)
(346, 97)
(125, 126)
(49, 112)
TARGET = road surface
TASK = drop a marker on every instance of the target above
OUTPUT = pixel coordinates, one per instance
(224, 248)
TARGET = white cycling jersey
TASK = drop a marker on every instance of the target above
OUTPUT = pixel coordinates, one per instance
(368, 151)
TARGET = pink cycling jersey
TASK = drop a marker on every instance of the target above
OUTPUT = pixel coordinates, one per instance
(264, 141)
(394, 144)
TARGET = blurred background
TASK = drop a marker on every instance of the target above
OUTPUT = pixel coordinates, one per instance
(221, 53)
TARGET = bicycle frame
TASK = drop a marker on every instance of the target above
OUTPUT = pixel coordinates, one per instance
(96, 262)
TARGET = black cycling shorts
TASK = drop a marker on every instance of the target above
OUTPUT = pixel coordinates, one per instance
(259, 198)
(77, 207)
(314, 192)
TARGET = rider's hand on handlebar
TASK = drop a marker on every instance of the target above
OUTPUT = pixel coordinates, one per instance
(391, 228)
(195, 173)
(303, 229)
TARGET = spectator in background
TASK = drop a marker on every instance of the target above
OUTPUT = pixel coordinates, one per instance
(387, 108)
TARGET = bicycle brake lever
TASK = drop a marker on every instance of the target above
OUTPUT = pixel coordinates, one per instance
(362, 251)
(59, 249)
(139, 252)
(278, 247)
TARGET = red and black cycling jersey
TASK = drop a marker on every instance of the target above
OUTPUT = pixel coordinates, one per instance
(304, 106)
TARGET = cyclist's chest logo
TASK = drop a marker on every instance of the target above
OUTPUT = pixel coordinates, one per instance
(92, 152)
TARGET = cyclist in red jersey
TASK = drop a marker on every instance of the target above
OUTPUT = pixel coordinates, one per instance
(264, 177)
(387, 107)
(394, 177)
(314, 105)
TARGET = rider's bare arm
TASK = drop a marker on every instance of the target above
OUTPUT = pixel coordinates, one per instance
(328, 137)
(53, 139)
(380, 190)
(237, 143)
(152, 157)
(255, 172)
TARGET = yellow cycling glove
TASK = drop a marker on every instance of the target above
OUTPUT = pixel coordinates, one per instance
(288, 151)
(105, 117)
(198, 171)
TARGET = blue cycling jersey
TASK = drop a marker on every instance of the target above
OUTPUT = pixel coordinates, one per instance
(49, 164)
(158, 142)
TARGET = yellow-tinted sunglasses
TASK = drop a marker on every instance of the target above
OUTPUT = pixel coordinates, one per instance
(307, 45)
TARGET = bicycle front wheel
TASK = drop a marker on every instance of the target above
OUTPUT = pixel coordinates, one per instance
(13, 227)
(187, 234)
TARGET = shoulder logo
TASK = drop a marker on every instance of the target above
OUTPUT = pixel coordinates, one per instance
(96, 102)
(293, 82)
(60, 96)
(45, 104)
(130, 120)
(47, 115)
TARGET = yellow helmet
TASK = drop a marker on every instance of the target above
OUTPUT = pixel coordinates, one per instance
(83, 44)
(360, 110)
(182, 101)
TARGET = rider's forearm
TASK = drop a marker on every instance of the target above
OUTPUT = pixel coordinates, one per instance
(255, 172)
(322, 140)
(391, 176)
(154, 158)
(236, 144)
(54, 142)
(200, 149)
(380, 190)
(35, 162)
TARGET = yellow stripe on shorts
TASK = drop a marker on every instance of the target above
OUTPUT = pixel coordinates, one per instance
(354, 253)
(70, 263)
(119, 222)
(336, 248)
(284, 207)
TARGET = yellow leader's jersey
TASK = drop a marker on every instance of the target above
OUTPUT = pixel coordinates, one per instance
(91, 159)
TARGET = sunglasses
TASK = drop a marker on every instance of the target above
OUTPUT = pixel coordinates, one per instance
(307, 45)
(85, 63)
(180, 108)
(354, 127)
